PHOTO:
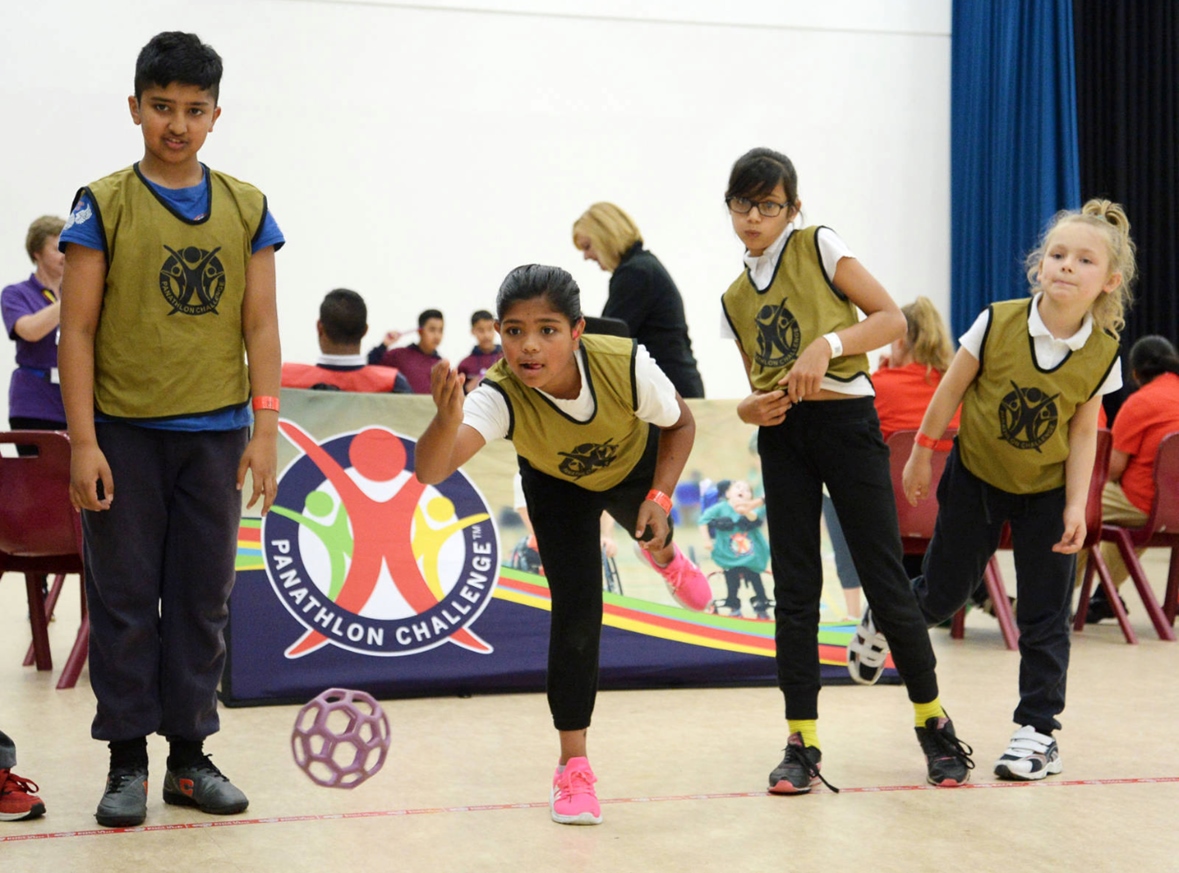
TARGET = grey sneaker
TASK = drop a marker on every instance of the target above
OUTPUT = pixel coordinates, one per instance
(204, 786)
(124, 803)
(799, 770)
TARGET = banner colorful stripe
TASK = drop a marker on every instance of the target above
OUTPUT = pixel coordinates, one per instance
(744, 636)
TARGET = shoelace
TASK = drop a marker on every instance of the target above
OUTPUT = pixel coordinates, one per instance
(120, 777)
(14, 784)
(575, 782)
(952, 747)
(798, 755)
(204, 765)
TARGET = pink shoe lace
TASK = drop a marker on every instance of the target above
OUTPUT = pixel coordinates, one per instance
(573, 799)
(687, 584)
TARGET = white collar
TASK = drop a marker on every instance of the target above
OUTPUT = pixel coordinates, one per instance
(357, 360)
(768, 258)
(1037, 328)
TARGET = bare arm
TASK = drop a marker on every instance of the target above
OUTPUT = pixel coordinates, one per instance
(1078, 470)
(447, 443)
(884, 323)
(1117, 465)
(38, 325)
(260, 331)
(946, 399)
(82, 288)
(675, 444)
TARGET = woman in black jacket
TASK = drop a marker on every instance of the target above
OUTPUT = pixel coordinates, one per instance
(642, 294)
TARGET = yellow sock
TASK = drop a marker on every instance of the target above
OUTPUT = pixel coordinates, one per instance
(808, 728)
(923, 712)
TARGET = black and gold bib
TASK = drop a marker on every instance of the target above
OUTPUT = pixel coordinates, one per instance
(1015, 416)
(169, 340)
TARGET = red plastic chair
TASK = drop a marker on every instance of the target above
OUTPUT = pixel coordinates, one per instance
(41, 534)
(917, 524)
(1160, 530)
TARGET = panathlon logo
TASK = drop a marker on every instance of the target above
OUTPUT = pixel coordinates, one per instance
(189, 273)
(368, 558)
(1027, 417)
(778, 336)
(588, 458)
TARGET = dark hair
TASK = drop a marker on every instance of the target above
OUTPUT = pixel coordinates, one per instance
(481, 315)
(723, 486)
(1152, 356)
(758, 172)
(174, 56)
(536, 280)
(344, 316)
(426, 315)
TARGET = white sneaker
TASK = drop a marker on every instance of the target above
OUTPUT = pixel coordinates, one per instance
(867, 651)
(1030, 755)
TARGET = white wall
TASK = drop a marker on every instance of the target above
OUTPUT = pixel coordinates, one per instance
(417, 152)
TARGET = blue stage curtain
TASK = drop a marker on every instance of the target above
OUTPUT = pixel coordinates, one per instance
(1014, 156)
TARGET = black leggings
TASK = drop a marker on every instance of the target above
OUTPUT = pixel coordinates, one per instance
(565, 518)
(836, 442)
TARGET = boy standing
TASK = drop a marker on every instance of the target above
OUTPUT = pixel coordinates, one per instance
(416, 359)
(169, 277)
(486, 352)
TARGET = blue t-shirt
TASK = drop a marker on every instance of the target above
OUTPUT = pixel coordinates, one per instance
(189, 202)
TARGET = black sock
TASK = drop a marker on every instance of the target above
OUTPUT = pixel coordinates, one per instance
(128, 753)
(184, 753)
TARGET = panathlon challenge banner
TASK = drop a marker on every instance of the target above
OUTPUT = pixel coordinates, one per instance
(362, 577)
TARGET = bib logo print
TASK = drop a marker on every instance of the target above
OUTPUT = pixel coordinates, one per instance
(1027, 417)
(189, 273)
(368, 558)
(778, 336)
(588, 458)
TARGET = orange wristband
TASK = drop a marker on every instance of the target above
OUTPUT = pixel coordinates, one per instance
(265, 403)
(661, 499)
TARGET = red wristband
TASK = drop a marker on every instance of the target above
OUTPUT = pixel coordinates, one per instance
(660, 498)
(265, 403)
(930, 443)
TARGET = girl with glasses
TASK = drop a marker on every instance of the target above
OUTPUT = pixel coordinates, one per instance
(794, 312)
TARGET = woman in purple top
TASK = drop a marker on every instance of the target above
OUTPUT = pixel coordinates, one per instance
(32, 312)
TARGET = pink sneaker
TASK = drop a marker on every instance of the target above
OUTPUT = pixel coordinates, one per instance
(573, 800)
(684, 580)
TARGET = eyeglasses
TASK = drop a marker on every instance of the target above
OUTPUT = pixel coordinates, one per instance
(743, 205)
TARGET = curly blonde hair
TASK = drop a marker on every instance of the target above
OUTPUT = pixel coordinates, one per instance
(610, 230)
(1108, 310)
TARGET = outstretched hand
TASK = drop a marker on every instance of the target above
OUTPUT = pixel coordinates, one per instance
(446, 387)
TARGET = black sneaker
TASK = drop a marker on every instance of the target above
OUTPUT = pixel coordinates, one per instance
(799, 770)
(204, 786)
(124, 803)
(947, 759)
(1100, 608)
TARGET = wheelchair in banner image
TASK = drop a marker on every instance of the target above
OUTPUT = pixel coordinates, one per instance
(525, 557)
